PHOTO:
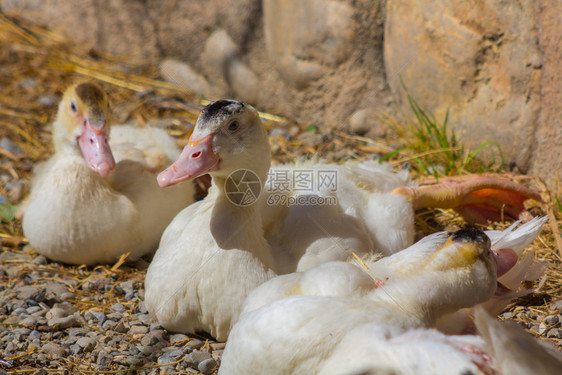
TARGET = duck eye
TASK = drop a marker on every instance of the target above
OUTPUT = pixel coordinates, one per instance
(233, 126)
(73, 107)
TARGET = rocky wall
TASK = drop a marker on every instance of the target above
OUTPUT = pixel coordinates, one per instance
(494, 64)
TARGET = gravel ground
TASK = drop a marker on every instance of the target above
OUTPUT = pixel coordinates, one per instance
(92, 320)
(80, 320)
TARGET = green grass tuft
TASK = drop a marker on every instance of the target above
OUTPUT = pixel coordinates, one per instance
(427, 134)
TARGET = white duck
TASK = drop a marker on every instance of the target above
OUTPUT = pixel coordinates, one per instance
(243, 245)
(86, 206)
(368, 348)
(298, 334)
(344, 279)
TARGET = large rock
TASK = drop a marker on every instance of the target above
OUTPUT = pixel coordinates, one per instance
(547, 158)
(496, 65)
(304, 36)
(478, 59)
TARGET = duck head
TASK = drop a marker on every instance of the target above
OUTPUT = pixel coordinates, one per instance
(228, 136)
(459, 272)
(83, 123)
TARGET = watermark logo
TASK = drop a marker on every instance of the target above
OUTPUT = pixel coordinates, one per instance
(243, 187)
(285, 187)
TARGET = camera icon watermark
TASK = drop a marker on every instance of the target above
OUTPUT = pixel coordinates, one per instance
(284, 186)
(243, 187)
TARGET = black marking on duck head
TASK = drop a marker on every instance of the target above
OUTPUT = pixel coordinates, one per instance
(90, 93)
(470, 235)
(221, 108)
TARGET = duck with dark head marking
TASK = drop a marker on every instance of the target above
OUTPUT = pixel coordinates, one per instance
(244, 245)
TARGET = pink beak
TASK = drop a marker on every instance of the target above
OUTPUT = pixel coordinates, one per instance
(505, 260)
(96, 151)
(196, 159)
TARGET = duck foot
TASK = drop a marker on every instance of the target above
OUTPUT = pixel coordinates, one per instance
(478, 199)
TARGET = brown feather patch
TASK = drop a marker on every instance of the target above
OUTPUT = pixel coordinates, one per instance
(90, 93)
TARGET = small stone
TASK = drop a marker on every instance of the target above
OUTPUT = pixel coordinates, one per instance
(62, 323)
(142, 308)
(138, 330)
(22, 331)
(60, 310)
(53, 349)
(145, 350)
(557, 305)
(115, 316)
(67, 296)
(120, 327)
(314, 139)
(47, 101)
(104, 359)
(127, 286)
(27, 292)
(67, 341)
(207, 366)
(195, 343)
(33, 309)
(7, 145)
(193, 359)
(542, 328)
(121, 359)
(153, 338)
(156, 327)
(294, 131)
(178, 337)
(358, 122)
(75, 349)
(29, 83)
(29, 321)
(508, 315)
(115, 341)
(77, 331)
(218, 345)
(108, 324)
(169, 357)
(133, 361)
(118, 307)
(554, 333)
(40, 260)
(86, 343)
(551, 319)
(279, 132)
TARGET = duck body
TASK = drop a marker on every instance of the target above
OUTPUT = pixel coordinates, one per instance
(76, 215)
(375, 273)
(216, 272)
(346, 208)
(370, 347)
(304, 331)
(336, 335)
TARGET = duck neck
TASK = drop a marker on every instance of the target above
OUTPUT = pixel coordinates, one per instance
(62, 144)
(238, 224)
(423, 298)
